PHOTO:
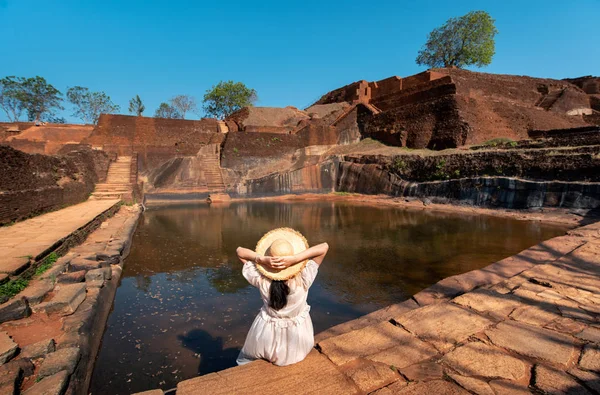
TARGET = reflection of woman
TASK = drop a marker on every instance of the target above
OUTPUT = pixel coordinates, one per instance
(283, 268)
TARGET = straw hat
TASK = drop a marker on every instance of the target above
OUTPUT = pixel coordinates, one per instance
(281, 242)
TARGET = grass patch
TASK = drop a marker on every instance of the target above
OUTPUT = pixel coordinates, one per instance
(12, 288)
(46, 263)
(342, 193)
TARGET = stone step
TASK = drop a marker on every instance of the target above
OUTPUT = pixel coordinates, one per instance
(65, 301)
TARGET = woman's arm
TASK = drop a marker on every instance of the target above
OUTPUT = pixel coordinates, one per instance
(245, 254)
(316, 253)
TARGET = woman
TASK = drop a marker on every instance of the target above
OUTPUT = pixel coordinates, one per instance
(283, 268)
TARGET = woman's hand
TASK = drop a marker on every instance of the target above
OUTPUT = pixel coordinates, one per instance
(265, 261)
(281, 262)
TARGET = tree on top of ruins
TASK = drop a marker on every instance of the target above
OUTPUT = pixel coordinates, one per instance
(227, 97)
(165, 110)
(183, 104)
(460, 42)
(136, 106)
(89, 105)
(9, 98)
(33, 95)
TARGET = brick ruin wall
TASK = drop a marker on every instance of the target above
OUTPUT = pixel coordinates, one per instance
(34, 184)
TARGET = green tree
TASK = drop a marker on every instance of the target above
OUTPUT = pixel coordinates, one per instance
(37, 97)
(136, 106)
(89, 105)
(184, 104)
(227, 97)
(10, 89)
(460, 42)
(167, 111)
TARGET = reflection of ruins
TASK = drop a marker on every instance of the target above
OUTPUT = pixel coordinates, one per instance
(393, 253)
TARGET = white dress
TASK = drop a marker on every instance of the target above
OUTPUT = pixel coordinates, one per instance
(284, 336)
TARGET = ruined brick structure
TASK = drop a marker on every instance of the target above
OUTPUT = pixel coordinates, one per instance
(34, 184)
(444, 108)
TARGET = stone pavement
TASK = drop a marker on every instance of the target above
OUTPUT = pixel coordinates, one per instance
(527, 324)
(28, 239)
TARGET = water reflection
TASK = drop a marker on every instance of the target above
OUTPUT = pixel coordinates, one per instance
(183, 307)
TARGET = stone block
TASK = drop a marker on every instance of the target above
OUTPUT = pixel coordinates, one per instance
(479, 359)
(566, 325)
(487, 300)
(71, 278)
(112, 257)
(26, 366)
(590, 358)
(65, 359)
(444, 325)
(533, 342)
(427, 371)
(14, 309)
(65, 301)
(474, 385)
(36, 291)
(81, 321)
(590, 334)
(536, 315)
(554, 381)
(508, 387)
(55, 384)
(363, 342)
(8, 348)
(4, 278)
(38, 349)
(14, 265)
(78, 264)
(429, 387)
(589, 379)
(12, 374)
(95, 275)
(369, 376)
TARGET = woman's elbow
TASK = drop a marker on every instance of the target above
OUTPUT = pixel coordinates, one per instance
(325, 247)
(238, 251)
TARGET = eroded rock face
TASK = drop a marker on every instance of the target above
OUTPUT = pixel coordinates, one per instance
(479, 359)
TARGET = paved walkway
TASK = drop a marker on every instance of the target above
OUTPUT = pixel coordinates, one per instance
(527, 324)
(34, 236)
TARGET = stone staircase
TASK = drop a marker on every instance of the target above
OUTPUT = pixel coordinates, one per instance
(118, 182)
(212, 173)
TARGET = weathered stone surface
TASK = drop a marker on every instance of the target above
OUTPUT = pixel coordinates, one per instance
(66, 299)
(590, 358)
(554, 381)
(8, 348)
(315, 374)
(391, 389)
(81, 321)
(426, 371)
(507, 387)
(78, 264)
(14, 309)
(64, 359)
(363, 342)
(25, 364)
(589, 379)
(533, 341)
(55, 384)
(38, 349)
(566, 325)
(71, 278)
(485, 300)
(407, 350)
(479, 359)
(11, 373)
(536, 315)
(476, 386)
(369, 376)
(443, 325)
(4, 278)
(430, 387)
(590, 334)
(36, 291)
(112, 257)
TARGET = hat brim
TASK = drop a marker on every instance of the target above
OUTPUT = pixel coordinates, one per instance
(298, 243)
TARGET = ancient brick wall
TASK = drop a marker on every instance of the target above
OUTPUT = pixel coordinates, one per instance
(589, 84)
(33, 184)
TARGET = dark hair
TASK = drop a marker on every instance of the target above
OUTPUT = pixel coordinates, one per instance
(278, 292)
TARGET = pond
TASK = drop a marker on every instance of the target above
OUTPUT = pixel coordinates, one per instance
(183, 308)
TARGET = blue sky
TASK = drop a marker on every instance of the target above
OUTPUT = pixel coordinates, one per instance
(290, 51)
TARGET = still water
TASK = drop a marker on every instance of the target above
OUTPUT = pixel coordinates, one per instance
(183, 308)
